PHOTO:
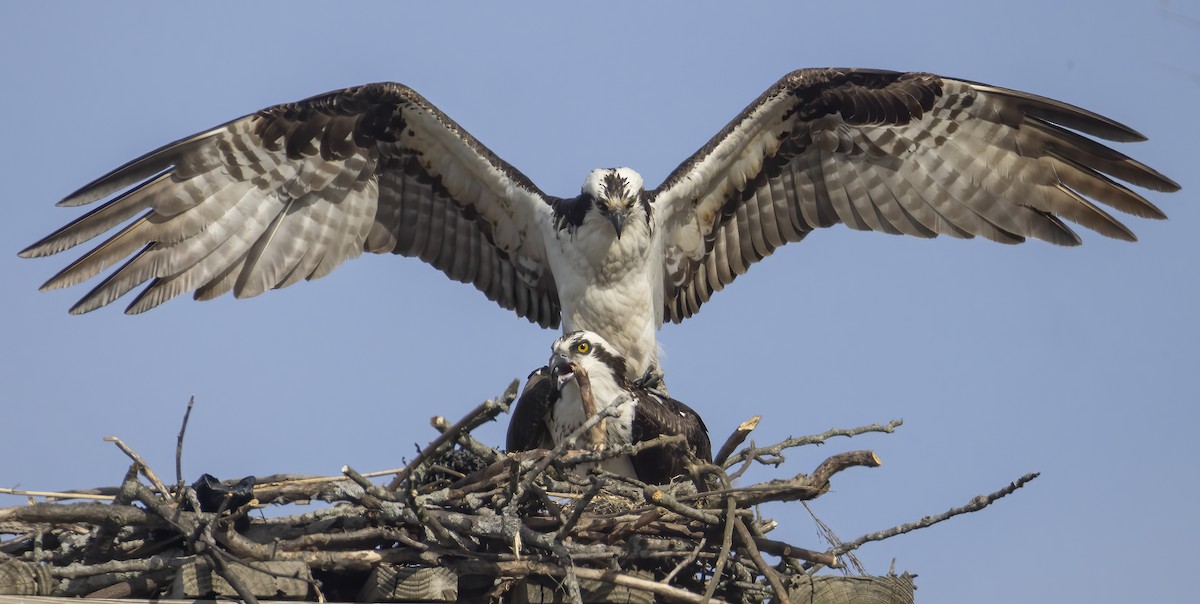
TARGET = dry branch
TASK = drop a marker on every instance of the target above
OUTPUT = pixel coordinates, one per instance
(977, 503)
(772, 455)
(187, 414)
(505, 517)
(485, 412)
(736, 439)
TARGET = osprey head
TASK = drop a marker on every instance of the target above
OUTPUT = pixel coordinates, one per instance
(615, 192)
(587, 351)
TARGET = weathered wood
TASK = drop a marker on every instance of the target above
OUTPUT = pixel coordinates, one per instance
(504, 534)
(282, 580)
(391, 583)
(67, 600)
(140, 586)
(736, 439)
(18, 578)
(549, 590)
(822, 590)
(892, 589)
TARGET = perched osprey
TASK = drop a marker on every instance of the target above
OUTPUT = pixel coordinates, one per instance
(291, 191)
(585, 375)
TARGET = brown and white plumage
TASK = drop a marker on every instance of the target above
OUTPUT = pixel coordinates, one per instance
(290, 192)
(913, 154)
(585, 375)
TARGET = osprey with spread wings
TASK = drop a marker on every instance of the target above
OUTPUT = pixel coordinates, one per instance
(289, 192)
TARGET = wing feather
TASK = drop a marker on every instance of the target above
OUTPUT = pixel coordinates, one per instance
(292, 191)
(656, 416)
(900, 153)
(528, 427)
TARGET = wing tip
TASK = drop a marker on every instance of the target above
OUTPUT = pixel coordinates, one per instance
(1167, 184)
(82, 307)
(82, 196)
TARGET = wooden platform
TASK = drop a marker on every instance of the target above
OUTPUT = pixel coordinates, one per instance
(439, 585)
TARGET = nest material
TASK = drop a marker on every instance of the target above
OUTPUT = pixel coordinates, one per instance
(461, 521)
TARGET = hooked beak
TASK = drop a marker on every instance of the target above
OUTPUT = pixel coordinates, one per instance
(618, 221)
(562, 370)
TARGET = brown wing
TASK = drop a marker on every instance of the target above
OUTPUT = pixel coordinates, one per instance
(902, 153)
(290, 192)
(656, 416)
(527, 428)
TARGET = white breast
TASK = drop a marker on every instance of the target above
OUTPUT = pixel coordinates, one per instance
(567, 416)
(611, 286)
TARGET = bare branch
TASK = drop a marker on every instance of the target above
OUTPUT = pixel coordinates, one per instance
(736, 439)
(776, 449)
(146, 471)
(485, 412)
(976, 504)
(768, 572)
(512, 519)
(179, 443)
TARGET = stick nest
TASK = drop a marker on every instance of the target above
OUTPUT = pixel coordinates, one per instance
(460, 521)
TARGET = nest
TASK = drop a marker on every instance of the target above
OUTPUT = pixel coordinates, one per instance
(461, 521)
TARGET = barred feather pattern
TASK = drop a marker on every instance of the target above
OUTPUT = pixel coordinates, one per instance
(289, 193)
(906, 154)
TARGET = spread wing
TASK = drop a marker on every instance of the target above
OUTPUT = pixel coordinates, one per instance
(657, 416)
(290, 192)
(902, 153)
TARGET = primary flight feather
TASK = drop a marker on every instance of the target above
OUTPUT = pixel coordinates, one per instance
(291, 191)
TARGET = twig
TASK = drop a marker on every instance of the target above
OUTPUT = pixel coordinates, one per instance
(63, 495)
(75, 571)
(976, 504)
(826, 531)
(585, 456)
(768, 572)
(485, 412)
(836, 463)
(580, 505)
(736, 439)
(90, 513)
(102, 542)
(142, 584)
(799, 487)
(570, 578)
(466, 441)
(560, 449)
(187, 523)
(815, 439)
(368, 487)
(430, 522)
(686, 561)
(608, 576)
(474, 521)
(179, 443)
(786, 550)
(146, 471)
(447, 470)
(726, 545)
(663, 499)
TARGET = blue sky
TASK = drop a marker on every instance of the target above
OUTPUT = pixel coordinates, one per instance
(1078, 363)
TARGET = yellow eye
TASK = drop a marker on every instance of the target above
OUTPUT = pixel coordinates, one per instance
(583, 347)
